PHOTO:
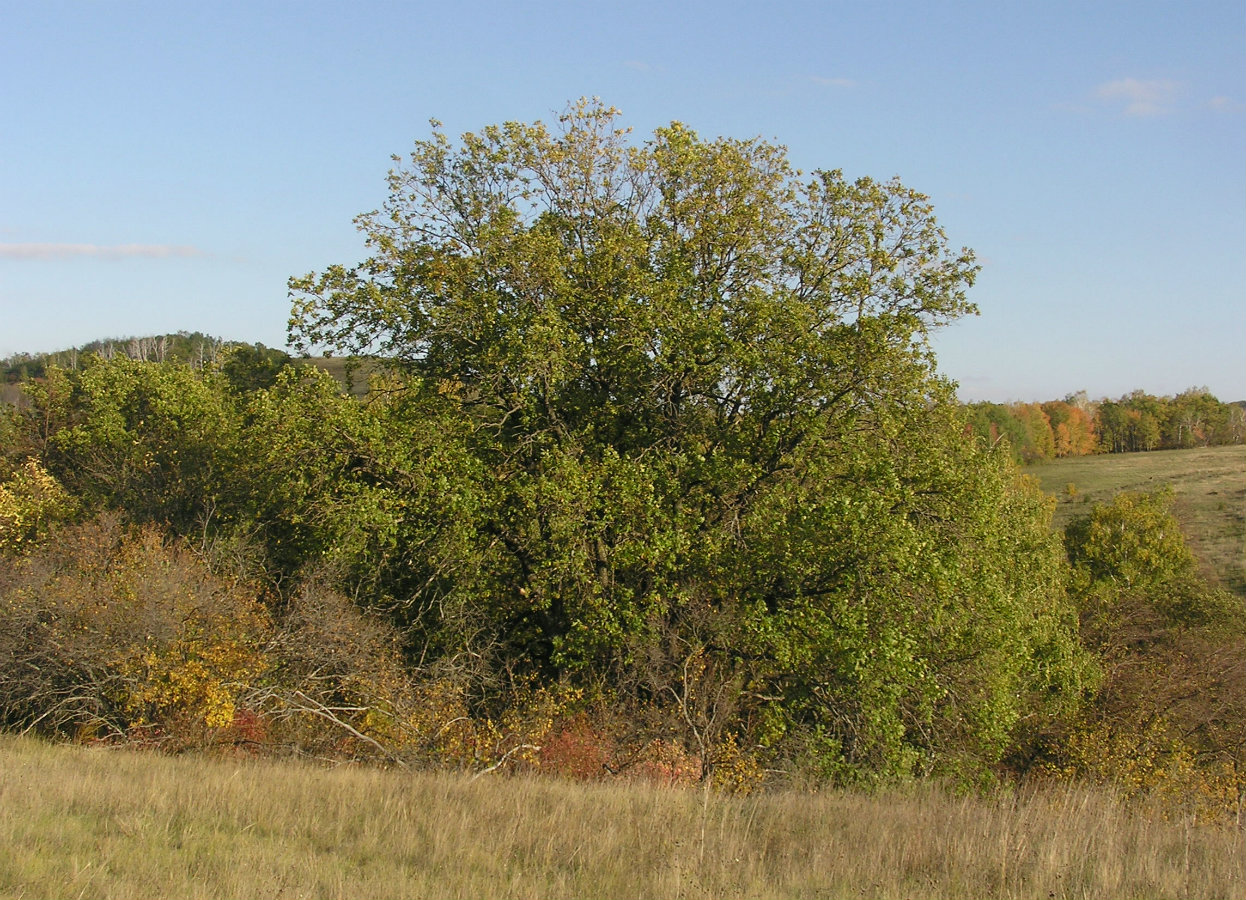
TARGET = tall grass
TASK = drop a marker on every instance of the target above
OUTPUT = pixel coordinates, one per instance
(78, 822)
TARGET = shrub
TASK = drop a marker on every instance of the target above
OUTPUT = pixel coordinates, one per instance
(31, 502)
(340, 687)
(109, 631)
(1168, 721)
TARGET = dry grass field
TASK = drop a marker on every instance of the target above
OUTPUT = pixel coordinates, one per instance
(1210, 488)
(79, 822)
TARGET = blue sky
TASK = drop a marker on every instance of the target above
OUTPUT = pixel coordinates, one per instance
(167, 166)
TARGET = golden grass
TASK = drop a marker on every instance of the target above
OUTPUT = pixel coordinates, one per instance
(1210, 489)
(78, 822)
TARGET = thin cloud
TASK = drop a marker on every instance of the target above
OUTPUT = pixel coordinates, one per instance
(1139, 98)
(97, 251)
(1226, 104)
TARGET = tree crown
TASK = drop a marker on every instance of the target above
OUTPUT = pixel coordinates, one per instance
(569, 274)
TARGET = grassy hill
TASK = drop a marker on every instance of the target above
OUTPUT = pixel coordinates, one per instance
(351, 374)
(1210, 488)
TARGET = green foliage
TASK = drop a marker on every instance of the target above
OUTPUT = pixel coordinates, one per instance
(1209, 487)
(653, 470)
(1132, 543)
(679, 406)
(251, 367)
(156, 440)
(1134, 575)
(382, 494)
(996, 422)
(1131, 423)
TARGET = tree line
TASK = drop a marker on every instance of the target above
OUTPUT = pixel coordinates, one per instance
(247, 364)
(1136, 422)
(655, 475)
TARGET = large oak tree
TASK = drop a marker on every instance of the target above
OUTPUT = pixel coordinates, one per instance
(711, 464)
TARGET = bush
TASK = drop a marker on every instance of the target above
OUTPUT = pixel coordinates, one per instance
(340, 687)
(31, 502)
(113, 631)
(1169, 719)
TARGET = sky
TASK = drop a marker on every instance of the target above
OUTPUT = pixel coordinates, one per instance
(168, 166)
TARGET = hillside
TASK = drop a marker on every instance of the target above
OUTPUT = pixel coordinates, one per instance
(1210, 489)
(255, 363)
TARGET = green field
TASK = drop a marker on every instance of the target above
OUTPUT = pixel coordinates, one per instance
(79, 822)
(1210, 489)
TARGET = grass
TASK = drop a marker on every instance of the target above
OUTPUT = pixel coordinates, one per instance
(118, 824)
(1210, 488)
(351, 374)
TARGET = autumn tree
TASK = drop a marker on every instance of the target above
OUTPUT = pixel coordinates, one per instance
(107, 629)
(1073, 430)
(31, 502)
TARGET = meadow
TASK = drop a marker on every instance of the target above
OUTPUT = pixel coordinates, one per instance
(106, 823)
(1209, 485)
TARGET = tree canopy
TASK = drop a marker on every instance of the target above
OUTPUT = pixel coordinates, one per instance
(575, 281)
(711, 459)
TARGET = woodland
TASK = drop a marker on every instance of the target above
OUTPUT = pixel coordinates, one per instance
(653, 476)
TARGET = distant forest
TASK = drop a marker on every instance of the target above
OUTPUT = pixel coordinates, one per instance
(245, 366)
(1074, 426)
(1078, 426)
